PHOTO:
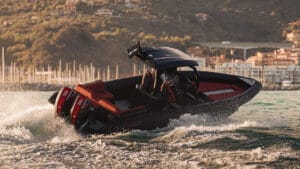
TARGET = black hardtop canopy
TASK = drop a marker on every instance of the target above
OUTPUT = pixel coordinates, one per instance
(161, 57)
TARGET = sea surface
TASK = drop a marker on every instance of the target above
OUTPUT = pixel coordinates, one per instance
(264, 133)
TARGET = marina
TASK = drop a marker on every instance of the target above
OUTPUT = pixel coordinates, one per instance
(48, 78)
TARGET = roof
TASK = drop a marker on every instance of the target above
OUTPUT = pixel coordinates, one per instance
(161, 57)
(246, 45)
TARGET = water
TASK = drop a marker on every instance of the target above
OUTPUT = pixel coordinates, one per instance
(265, 133)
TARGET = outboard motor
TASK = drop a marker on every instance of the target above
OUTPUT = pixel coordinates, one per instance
(64, 102)
(52, 98)
(79, 111)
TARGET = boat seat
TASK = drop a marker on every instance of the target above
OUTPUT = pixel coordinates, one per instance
(116, 110)
(99, 96)
(94, 91)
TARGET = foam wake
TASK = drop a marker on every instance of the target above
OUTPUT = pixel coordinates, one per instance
(35, 123)
(200, 126)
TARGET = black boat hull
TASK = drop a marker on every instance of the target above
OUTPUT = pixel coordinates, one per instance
(153, 117)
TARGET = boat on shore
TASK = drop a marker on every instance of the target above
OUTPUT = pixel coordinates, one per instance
(149, 101)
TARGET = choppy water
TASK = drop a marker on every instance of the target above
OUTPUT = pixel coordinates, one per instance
(265, 133)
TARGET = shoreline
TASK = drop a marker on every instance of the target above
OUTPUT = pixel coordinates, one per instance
(280, 87)
(29, 87)
(52, 87)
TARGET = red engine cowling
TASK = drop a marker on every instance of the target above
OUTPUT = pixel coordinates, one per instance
(64, 100)
(79, 110)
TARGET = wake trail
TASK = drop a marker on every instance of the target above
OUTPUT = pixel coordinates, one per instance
(35, 114)
(35, 123)
(200, 126)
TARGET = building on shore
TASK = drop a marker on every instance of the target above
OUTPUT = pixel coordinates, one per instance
(104, 12)
(277, 69)
(295, 38)
(279, 57)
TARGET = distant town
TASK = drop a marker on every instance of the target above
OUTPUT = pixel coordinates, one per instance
(278, 69)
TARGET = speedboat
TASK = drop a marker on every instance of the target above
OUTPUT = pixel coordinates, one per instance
(147, 101)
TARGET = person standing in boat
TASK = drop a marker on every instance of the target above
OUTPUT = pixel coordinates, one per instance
(170, 81)
(171, 77)
(175, 86)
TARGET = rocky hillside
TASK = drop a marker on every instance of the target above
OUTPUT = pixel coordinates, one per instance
(99, 31)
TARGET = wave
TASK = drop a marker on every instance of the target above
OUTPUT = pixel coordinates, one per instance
(35, 123)
(190, 126)
(35, 115)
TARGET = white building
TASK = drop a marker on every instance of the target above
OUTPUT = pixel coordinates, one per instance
(104, 12)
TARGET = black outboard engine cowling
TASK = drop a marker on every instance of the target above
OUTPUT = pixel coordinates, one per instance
(80, 110)
(64, 102)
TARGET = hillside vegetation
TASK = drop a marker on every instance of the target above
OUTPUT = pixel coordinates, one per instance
(42, 32)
